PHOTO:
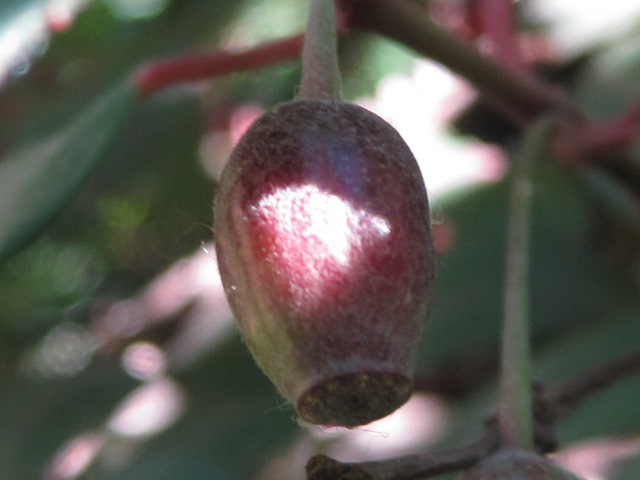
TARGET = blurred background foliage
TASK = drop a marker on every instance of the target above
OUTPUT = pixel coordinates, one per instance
(118, 357)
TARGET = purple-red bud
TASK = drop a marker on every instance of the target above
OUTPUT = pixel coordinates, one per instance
(324, 246)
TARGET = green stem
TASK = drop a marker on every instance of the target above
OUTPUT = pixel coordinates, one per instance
(515, 418)
(518, 94)
(320, 70)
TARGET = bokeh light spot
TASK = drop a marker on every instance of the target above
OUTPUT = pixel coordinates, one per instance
(149, 409)
(137, 9)
(144, 360)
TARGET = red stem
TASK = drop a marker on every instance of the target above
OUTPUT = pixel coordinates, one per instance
(155, 76)
(607, 140)
(495, 20)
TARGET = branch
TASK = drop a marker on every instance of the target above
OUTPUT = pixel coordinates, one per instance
(566, 396)
(496, 22)
(551, 404)
(599, 141)
(411, 467)
(522, 96)
(155, 76)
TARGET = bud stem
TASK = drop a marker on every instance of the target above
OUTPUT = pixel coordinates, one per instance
(320, 70)
(515, 417)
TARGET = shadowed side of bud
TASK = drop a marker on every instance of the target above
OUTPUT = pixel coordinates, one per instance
(324, 244)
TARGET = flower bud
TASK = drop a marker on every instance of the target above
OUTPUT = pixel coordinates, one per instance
(324, 246)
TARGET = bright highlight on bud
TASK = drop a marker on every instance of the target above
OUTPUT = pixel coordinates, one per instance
(314, 237)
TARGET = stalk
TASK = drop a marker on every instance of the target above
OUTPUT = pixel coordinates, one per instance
(320, 70)
(515, 417)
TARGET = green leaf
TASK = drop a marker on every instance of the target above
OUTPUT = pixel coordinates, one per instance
(595, 342)
(609, 84)
(37, 180)
(570, 281)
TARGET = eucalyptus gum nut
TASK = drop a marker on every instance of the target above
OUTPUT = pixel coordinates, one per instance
(324, 246)
(511, 464)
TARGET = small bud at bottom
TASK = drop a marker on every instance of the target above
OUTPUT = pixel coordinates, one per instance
(509, 464)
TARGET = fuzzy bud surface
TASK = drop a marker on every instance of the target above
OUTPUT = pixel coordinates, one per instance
(324, 246)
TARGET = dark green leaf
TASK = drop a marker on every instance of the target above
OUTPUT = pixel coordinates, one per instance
(38, 180)
(36, 425)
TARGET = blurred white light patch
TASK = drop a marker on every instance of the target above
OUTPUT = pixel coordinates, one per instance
(74, 457)
(25, 32)
(144, 361)
(419, 107)
(137, 9)
(264, 20)
(65, 350)
(218, 143)
(598, 459)
(27, 36)
(148, 410)
(575, 25)
(186, 280)
(417, 423)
